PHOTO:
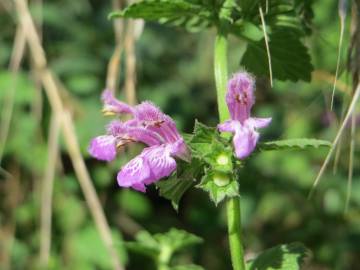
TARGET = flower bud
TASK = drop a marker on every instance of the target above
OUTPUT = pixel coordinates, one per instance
(221, 179)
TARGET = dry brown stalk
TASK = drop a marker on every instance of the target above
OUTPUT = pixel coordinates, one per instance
(130, 79)
(47, 190)
(52, 92)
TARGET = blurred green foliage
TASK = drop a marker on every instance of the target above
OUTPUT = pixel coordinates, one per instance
(174, 70)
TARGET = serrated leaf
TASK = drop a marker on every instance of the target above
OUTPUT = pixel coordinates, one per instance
(154, 10)
(219, 186)
(184, 178)
(191, 15)
(290, 59)
(283, 257)
(145, 244)
(154, 246)
(280, 13)
(173, 189)
(177, 239)
(201, 141)
(293, 144)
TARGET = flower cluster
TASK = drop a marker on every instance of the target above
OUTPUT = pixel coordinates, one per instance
(240, 99)
(148, 125)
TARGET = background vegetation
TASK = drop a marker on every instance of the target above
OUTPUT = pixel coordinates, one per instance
(174, 70)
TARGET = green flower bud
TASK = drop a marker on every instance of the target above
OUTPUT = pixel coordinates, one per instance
(222, 159)
(221, 179)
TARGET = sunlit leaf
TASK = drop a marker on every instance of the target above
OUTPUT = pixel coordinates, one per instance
(157, 9)
(283, 257)
(293, 144)
(290, 59)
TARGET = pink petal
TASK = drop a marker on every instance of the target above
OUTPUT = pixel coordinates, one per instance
(152, 118)
(259, 122)
(113, 105)
(147, 111)
(103, 147)
(179, 149)
(240, 96)
(229, 126)
(139, 187)
(245, 140)
(160, 162)
(134, 173)
(144, 135)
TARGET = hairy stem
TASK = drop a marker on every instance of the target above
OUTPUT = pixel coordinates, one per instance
(233, 204)
(220, 66)
(234, 231)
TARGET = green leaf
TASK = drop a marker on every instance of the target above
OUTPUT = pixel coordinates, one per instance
(201, 142)
(193, 17)
(219, 186)
(282, 257)
(86, 246)
(290, 59)
(158, 9)
(177, 239)
(174, 188)
(247, 30)
(145, 244)
(154, 245)
(247, 6)
(293, 14)
(293, 144)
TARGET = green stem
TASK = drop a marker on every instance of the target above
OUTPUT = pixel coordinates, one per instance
(220, 68)
(233, 204)
(234, 231)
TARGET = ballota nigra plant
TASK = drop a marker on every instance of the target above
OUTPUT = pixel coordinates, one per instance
(211, 157)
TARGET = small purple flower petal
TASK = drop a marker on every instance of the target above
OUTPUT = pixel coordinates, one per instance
(152, 118)
(259, 122)
(150, 166)
(114, 106)
(229, 126)
(179, 149)
(240, 99)
(103, 147)
(147, 111)
(245, 141)
(160, 162)
(150, 126)
(240, 96)
(141, 134)
(134, 173)
(139, 187)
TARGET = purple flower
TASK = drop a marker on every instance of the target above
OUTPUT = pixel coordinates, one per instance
(240, 99)
(150, 126)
